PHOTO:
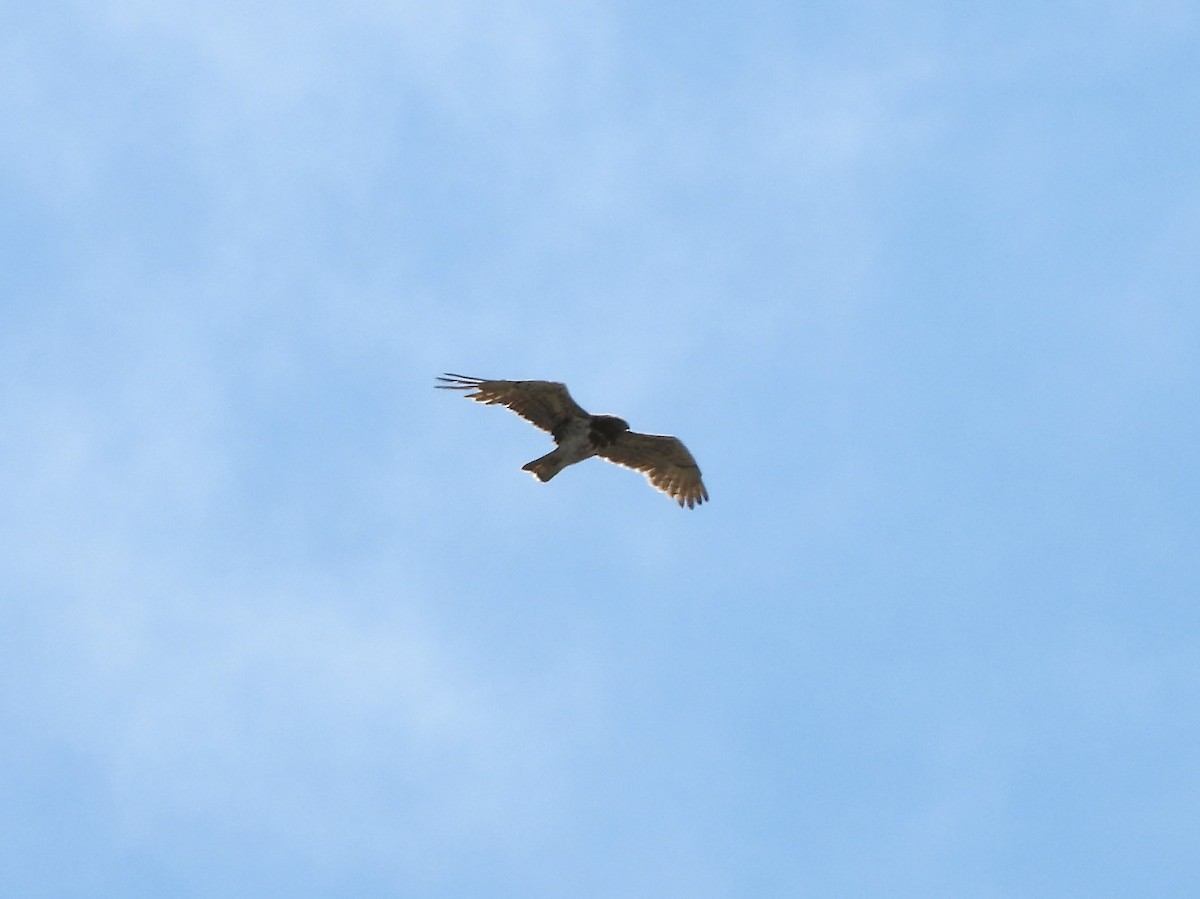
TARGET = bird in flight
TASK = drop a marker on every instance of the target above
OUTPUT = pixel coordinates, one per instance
(665, 461)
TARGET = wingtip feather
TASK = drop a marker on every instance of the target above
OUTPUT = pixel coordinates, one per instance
(457, 382)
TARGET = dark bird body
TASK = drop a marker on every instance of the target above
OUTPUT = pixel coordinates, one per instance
(578, 435)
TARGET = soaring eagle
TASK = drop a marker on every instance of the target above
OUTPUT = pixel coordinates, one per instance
(665, 460)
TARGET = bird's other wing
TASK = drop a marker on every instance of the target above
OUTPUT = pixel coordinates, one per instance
(544, 403)
(665, 461)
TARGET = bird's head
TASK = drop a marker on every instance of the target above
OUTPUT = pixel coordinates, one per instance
(610, 423)
(605, 428)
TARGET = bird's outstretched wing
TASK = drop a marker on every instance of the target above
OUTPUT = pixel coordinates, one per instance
(544, 403)
(665, 461)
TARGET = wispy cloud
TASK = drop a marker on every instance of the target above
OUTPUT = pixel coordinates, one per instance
(268, 590)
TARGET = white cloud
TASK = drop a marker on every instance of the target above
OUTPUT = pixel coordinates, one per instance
(296, 711)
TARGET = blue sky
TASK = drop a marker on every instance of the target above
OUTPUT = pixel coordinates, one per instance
(917, 284)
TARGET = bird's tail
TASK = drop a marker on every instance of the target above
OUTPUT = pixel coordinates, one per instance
(546, 467)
